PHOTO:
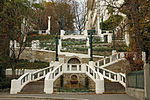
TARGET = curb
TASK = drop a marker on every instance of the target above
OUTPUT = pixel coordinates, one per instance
(38, 97)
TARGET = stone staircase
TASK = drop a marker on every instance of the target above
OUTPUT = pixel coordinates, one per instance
(35, 83)
(113, 87)
(36, 87)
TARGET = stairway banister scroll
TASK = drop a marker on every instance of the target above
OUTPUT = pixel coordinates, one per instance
(48, 76)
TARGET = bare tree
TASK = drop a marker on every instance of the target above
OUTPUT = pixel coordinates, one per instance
(79, 10)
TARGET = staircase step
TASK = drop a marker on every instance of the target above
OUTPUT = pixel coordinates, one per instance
(113, 87)
(36, 87)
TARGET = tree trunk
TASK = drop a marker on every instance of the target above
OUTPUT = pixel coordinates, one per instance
(135, 20)
(13, 71)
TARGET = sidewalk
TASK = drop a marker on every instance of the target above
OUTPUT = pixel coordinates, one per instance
(66, 96)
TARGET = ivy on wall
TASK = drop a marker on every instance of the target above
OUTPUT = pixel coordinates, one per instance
(112, 22)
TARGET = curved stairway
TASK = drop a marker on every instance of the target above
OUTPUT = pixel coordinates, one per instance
(35, 87)
(29, 82)
(113, 87)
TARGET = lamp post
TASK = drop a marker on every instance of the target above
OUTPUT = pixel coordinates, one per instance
(56, 47)
(91, 48)
(102, 24)
(62, 27)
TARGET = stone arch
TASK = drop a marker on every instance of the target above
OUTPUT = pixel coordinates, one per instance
(74, 60)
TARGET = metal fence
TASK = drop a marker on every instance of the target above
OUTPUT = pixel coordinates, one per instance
(136, 79)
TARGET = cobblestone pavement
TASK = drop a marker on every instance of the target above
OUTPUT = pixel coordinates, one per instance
(66, 96)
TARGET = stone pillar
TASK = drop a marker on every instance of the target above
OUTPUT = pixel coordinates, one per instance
(48, 86)
(87, 42)
(99, 86)
(127, 41)
(10, 47)
(15, 44)
(56, 63)
(49, 25)
(144, 57)
(85, 32)
(62, 33)
(60, 44)
(98, 26)
(91, 63)
(35, 44)
(109, 38)
(147, 81)
(15, 86)
(102, 37)
(114, 52)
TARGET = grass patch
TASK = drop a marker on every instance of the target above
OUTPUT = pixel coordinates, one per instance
(25, 64)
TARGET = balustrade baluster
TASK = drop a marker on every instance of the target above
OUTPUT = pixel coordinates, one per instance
(110, 59)
(104, 72)
(97, 64)
(104, 61)
(109, 75)
(117, 56)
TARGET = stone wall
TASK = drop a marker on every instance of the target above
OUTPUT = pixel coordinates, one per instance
(48, 56)
(137, 93)
(142, 94)
(80, 84)
(147, 81)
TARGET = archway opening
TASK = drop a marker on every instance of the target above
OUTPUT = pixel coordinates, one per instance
(74, 61)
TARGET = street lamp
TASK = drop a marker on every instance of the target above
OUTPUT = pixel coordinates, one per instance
(102, 24)
(56, 47)
(91, 48)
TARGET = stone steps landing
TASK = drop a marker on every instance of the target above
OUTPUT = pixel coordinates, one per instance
(113, 87)
(36, 87)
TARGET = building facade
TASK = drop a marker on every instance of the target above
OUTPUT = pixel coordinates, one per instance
(97, 12)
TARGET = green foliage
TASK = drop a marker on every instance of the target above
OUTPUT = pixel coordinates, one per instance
(5, 83)
(25, 64)
(102, 48)
(112, 22)
(42, 37)
(71, 42)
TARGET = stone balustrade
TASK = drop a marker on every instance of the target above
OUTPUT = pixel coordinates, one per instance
(110, 60)
(18, 84)
(112, 76)
(73, 68)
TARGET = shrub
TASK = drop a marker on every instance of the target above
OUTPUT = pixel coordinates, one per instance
(25, 64)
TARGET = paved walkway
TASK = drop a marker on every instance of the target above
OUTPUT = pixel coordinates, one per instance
(66, 97)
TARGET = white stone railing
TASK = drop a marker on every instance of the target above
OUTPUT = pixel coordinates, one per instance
(110, 60)
(18, 84)
(112, 76)
(73, 68)
(74, 37)
(92, 73)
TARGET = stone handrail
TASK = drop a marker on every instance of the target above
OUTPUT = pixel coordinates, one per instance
(55, 73)
(110, 60)
(25, 78)
(73, 68)
(92, 73)
(112, 76)
(18, 84)
(41, 73)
